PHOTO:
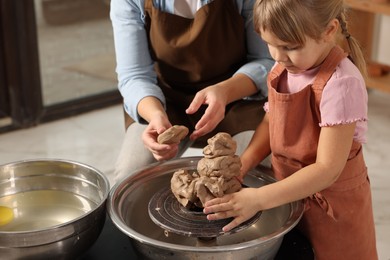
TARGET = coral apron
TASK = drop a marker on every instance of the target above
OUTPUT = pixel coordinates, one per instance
(338, 220)
(191, 54)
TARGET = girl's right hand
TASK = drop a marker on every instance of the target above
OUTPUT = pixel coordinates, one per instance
(240, 205)
(161, 152)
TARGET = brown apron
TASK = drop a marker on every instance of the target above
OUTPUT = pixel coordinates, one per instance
(191, 54)
(338, 220)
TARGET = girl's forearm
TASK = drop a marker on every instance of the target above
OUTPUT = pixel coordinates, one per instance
(332, 154)
(259, 146)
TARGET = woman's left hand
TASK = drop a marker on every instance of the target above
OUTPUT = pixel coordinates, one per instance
(215, 98)
(241, 206)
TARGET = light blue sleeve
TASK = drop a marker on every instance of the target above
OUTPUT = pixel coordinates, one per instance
(136, 76)
(259, 60)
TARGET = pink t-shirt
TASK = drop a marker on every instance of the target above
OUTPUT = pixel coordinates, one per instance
(344, 99)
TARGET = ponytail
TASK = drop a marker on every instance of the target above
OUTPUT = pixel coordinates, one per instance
(355, 50)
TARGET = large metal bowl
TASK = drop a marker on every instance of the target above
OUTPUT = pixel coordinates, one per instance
(59, 208)
(128, 208)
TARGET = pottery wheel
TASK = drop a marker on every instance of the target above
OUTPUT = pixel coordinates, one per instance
(166, 211)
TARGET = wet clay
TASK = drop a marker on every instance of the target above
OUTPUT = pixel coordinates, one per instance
(216, 174)
(173, 135)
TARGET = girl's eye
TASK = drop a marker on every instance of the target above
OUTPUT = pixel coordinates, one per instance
(291, 48)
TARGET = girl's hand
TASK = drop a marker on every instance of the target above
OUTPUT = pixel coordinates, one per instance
(215, 97)
(157, 125)
(245, 167)
(241, 206)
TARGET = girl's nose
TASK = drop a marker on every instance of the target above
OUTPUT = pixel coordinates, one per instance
(279, 56)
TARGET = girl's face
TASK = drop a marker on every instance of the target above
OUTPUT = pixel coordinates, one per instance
(297, 58)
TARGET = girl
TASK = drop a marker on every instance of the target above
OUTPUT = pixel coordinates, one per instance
(314, 129)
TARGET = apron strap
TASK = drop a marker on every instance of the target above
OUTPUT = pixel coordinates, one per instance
(326, 71)
(328, 67)
(148, 5)
(274, 75)
(322, 203)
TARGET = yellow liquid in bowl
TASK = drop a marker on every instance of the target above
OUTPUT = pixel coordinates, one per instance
(6, 215)
(35, 210)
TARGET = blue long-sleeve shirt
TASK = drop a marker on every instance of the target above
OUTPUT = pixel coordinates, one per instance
(136, 76)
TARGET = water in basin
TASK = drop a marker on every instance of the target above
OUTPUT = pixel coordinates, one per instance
(35, 210)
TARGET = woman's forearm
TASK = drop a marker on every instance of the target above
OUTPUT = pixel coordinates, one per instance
(150, 107)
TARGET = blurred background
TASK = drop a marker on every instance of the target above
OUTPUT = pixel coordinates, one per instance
(56, 59)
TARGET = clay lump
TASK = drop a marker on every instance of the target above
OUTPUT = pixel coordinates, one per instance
(216, 174)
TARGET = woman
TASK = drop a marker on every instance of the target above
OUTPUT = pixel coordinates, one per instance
(187, 62)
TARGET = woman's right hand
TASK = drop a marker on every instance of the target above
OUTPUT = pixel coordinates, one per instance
(152, 110)
(157, 125)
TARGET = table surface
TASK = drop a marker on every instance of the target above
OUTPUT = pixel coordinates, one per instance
(114, 244)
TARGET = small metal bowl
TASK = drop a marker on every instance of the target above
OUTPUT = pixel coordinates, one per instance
(127, 206)
(59, 208)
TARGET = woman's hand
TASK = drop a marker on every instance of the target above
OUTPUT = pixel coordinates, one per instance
(160, 152)
(152, 111)
(215, 99)
(241, 206)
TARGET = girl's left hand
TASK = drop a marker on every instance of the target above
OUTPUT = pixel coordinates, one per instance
(241, 205)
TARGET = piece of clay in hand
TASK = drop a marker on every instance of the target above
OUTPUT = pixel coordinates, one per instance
(173, 135)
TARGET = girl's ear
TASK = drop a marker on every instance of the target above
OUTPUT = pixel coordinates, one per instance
(331, 30)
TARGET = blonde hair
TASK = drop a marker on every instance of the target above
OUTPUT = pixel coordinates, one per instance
(292, 20)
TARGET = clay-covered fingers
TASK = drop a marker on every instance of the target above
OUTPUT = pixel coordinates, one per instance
(160, 151)
(164, 152)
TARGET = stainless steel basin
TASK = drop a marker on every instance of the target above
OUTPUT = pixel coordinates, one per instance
(59, 208)
(128, 208)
